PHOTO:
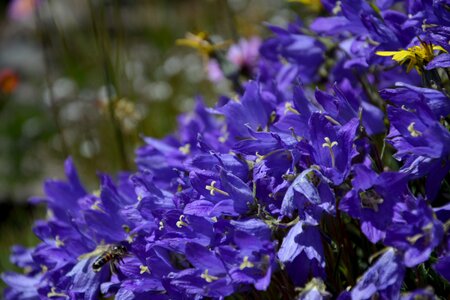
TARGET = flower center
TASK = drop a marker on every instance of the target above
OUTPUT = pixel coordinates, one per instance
(370, 199)
(328, 144)
(212, 189)
(208, 278)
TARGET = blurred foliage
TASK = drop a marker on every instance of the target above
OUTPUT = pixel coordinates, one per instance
(93, 77)
(76, 59)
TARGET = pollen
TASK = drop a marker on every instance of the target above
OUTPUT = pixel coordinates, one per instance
(414, 132)
(53, 293)
(413, 239)
(96, 206)
(259, 157)
(181, 223)
(58, 242)
(288, 107)
(186, 149)
(144, 269)
(44, 269)
(246, 264)
(212, 189)
(126, 228)
(161, 225)
(208, 278)
(416, 56)
(131, 237)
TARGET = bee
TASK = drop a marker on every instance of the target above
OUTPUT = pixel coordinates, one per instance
(113, 254)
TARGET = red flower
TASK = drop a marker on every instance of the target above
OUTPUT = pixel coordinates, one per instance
(8, 81)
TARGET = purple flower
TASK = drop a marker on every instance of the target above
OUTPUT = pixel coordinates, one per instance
(304, 54)
(331, 146)
(383, 278)
(422, 142)
(372, 200)
(415, 231)
(443, 266)
(311, 195)
(302, 252)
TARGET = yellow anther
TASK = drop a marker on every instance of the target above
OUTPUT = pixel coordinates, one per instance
(246, 264)
(288, 107)
(225, 134)
(414, 132)
(144, 269)
(294, 135)
(28, 269)
(328, 144)
(58, 242)
(181, 223)
(259, 157)
(222, 139)
(212, 189)
(49, 213)
(427, 231)
(331, 120)
(126, 228)
(186, 149)
(96, 206)
(96, 193)
(337, 8)
(53, 293)
(404, 107)
(214, 219)
(235, 98)
(131, 237)
(208, 278)
(161, 225)
(413, 239)
(44, 269)
(139, 198)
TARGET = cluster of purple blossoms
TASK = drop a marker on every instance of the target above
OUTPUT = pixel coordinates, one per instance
(326, 177)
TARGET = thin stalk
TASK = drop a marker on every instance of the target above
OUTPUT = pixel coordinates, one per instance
(110, 82)
(44, 39)
(373, 95)
(231, 20)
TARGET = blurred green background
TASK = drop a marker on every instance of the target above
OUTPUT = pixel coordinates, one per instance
(91, 78)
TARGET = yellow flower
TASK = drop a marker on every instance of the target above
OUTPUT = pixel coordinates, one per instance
(418, 56)
(201, 42)
(314, 5)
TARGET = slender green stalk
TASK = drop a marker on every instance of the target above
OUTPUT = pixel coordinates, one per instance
(45, 41)
(110, 83)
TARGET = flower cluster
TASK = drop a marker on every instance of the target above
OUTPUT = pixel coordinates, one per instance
(327, 176)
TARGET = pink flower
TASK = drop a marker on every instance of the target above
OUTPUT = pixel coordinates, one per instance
(245, 53)
(22, 9)
(215, 73)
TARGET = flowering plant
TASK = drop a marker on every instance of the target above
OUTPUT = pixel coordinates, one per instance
(326, 176)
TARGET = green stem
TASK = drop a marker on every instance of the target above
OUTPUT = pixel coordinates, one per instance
(110, 83)
(44, 40)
